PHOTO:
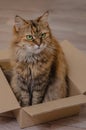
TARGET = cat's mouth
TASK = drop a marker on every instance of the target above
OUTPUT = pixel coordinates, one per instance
(29, 50)
(37, 46)
(40, 48)
(35, 49)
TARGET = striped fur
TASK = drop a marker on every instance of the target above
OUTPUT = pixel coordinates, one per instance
(39, 65)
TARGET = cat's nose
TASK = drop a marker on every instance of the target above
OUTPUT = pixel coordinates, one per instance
(37, 42)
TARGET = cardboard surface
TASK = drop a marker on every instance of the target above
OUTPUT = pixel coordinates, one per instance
(77, 65)
(28, 120)
(8, 101)
(55, 105)
(7, 114)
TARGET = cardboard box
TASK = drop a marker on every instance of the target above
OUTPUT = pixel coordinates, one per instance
(32, 115)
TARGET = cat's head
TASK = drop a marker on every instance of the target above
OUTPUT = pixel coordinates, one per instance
(33, 36)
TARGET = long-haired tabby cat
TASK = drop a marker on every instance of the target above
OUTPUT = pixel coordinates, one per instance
(39, 67)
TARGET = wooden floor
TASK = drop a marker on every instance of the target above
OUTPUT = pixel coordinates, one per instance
(68, 22)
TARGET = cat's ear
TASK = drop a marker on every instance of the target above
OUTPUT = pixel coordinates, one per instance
(19, 22)
(44, 17)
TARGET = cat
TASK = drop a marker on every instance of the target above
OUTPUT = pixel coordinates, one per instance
(40, 69)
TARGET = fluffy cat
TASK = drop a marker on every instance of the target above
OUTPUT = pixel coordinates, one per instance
(39, 66)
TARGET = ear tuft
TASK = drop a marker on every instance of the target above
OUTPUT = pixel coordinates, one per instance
(44, 17)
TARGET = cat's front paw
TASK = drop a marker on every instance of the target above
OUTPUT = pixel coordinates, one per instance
(24, 103)
(24, 99)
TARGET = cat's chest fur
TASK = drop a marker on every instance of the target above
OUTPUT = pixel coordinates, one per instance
(35, 68)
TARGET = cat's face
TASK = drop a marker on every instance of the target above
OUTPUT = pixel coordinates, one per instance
(33, 36)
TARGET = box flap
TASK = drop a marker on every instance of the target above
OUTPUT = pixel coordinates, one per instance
(4, 55)
(8, 101)
(77, 65)
(55, 105)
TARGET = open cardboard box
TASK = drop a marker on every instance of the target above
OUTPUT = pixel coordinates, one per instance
(32, 115)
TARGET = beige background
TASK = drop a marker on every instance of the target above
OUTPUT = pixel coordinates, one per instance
(68, 21)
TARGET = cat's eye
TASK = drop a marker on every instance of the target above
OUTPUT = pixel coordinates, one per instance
(29, 37)
(43, 35)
